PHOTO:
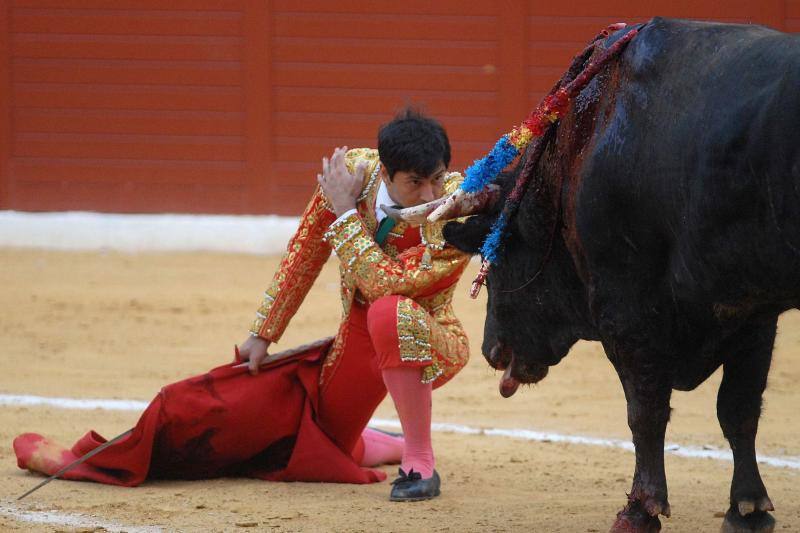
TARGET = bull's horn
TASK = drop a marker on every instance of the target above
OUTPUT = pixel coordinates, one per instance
(461, 204)
(455, 205)
(416, 215)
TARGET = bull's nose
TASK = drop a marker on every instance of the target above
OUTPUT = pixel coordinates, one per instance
(500, 356)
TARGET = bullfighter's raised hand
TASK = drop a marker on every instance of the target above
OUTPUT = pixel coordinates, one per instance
(340, 186)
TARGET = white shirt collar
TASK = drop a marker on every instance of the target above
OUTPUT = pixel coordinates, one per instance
(383, 198)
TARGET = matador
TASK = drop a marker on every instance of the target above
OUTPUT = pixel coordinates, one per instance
(305, 418)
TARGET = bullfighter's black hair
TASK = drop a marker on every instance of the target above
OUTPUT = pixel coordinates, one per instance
(413, 142)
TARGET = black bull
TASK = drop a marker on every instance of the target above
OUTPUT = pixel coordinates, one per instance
(664, 221)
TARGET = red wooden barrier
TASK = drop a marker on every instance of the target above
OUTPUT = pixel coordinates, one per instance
(226, 106)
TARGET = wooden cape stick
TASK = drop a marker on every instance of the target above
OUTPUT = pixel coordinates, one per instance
(287, 353)
(78, 461)
(269, 360)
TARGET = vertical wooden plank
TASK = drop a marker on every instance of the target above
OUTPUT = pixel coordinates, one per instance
(771, 13)
(258, 106)
(512, 32)
(5, 104)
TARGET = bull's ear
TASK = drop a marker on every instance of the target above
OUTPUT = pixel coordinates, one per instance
(468, 236)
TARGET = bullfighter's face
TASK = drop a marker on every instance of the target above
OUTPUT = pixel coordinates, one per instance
(409, 189)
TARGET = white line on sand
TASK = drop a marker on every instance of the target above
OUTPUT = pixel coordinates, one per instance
(24, 400)
(76, 520)
(522, 434)
(680, 450)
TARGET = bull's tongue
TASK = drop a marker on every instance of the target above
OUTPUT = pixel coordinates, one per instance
(508, 384)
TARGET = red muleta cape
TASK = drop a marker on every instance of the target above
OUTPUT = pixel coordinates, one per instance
(222, 423)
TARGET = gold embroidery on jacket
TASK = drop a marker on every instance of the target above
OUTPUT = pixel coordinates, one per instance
(300, 266)
(413, 332)
(367, 272)
(431, 373)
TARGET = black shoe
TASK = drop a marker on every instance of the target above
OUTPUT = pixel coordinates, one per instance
(412, 488)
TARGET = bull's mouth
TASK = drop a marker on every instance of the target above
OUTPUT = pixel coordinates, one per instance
(502, 357)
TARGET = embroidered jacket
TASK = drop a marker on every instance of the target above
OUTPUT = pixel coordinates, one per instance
(414, 262)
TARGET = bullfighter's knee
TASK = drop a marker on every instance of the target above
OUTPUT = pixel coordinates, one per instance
(382, 325)
(400, 332)
(382, 316)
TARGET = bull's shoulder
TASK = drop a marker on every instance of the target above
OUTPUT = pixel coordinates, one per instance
(666, 44)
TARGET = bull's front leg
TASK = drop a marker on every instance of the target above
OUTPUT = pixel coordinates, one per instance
(744, 379)
(648, 388)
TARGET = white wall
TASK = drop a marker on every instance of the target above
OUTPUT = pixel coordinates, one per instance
(146, 233)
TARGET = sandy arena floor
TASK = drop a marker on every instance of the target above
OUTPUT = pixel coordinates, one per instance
(87, 325)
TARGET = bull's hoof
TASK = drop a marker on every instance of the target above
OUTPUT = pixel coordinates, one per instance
(634, 518)
(754, 522)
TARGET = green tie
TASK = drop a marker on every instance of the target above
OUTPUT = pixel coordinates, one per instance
(385, 227)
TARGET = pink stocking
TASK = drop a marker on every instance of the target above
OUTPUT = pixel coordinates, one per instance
(380, 448)
(412, 399)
